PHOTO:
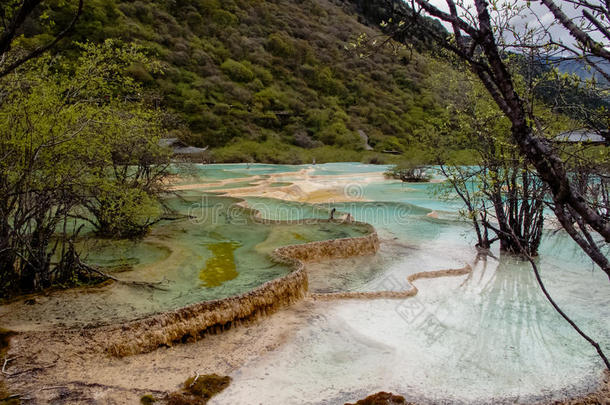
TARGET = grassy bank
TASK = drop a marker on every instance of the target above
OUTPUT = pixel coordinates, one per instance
(280, 153)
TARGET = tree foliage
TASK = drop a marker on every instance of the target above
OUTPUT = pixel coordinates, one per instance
(76, 140)
(484, 34)
(231, 67)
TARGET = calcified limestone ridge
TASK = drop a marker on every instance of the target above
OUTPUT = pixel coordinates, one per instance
(194, 321)
(189, 323)
(410, 292)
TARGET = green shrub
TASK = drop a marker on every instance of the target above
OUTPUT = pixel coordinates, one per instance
(224, 18)
(326, 154)
(326, 83)
(237, 71)
(271, 151)
(280, 45)
(316, 118)
(389, 143)
(208, 7)
(271, 98)
(338, 134)
(194, 19)
(139, 73)
(125, 212)
(198, 390)
(409, 171)
(263, 75)
(147, 399)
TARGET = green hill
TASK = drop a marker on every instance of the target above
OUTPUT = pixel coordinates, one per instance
(276, 81)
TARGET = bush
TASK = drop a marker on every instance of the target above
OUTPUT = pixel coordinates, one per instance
(327, 154)
(304, 141)
(208, 7)
(237, 71)
(280, 45)
(224, 18)
(338, 134)
(271, 98)
(270, 151)
(324, 81)
(316, 119)
(147, 399)
(390, 143)
(125, 213)
(409, 171)
(199, 390)
(139, 73)
(263, 75)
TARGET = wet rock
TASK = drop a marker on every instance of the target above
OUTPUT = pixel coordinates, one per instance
(198, 390)
(383, 398)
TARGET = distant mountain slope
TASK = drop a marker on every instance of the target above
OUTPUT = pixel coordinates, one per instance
(280, 72)
(583, 70)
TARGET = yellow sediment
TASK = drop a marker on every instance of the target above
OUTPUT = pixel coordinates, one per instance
(193, 321)
(221, 266)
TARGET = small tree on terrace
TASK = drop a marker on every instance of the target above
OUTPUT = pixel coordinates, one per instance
(483, 35)
(503, 197)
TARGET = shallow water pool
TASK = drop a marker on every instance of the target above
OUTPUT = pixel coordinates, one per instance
(485, 337)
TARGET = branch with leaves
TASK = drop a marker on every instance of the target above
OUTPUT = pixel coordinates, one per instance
(17, 15)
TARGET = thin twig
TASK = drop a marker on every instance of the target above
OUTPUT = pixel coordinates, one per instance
(6, 361)
(155, 285)
(593, 343)
(14, 396)
(30, 370)
(56, 387)
(194, 380)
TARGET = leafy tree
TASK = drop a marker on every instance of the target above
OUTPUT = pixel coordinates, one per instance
(483, 35)
(13, 14)
(279, 45)
(409, 171)
(69, 135)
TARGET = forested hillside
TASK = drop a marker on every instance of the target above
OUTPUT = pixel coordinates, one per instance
(274, 80)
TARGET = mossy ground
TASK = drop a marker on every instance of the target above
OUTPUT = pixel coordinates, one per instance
(198, 390)
(147, 399)
(5, 395)
(383, 398)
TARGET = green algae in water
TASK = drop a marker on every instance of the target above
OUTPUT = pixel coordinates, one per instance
(298, 236)
(121, 253)
(221, 266)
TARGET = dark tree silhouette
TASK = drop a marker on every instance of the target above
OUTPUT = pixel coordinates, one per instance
(12, 17)
(480, 40)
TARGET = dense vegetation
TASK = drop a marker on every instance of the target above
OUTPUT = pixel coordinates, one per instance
(78, 145)
(275, 81)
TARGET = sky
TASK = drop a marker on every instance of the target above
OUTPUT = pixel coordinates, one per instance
(541, 13)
